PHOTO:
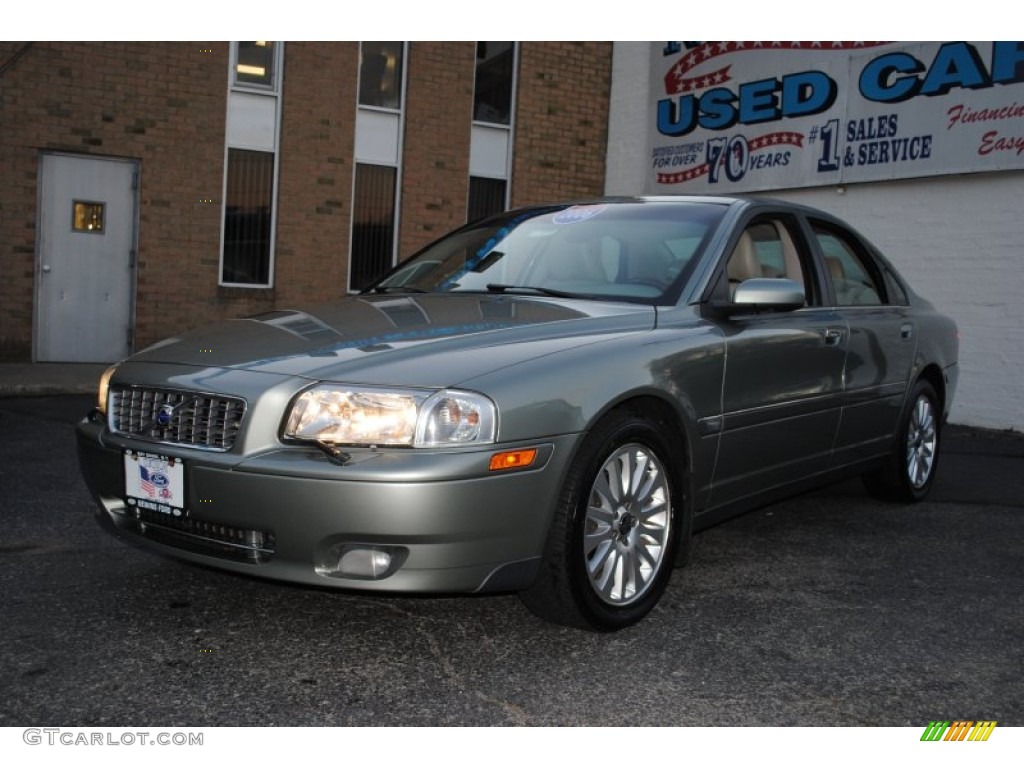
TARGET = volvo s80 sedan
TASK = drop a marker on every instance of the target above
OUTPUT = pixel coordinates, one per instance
(548, 401)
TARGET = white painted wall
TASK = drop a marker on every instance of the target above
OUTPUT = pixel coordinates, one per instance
(625, 170)
(959, 241)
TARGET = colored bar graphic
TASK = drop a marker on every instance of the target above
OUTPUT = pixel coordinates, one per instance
(958, 730)
(982, 730)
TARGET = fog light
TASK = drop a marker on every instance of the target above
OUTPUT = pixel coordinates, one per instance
(363, 563)
(341, 559)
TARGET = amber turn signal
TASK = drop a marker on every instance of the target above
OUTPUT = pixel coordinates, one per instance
(513, 459)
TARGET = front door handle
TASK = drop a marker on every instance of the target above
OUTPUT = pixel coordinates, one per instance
(832, 336)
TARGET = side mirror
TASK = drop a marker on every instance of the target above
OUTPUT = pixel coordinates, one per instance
(759, 294)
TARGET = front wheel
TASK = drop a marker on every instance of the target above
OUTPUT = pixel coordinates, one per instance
(616, 530)
(911, 468)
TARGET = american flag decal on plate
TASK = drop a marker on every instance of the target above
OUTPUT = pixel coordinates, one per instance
(153, 481)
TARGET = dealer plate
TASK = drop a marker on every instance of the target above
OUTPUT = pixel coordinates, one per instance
(155, 482)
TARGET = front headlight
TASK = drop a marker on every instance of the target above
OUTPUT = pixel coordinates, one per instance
(103, 389)
(341, 415)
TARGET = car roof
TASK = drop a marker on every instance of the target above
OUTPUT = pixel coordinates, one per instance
(744, 201)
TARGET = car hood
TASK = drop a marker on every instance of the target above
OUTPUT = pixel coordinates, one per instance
(433, 340)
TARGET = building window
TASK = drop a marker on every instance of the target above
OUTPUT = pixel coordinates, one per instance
(495, 73)
(490, 144)
(87, 217)
(380, 124)
(248, 216)
(373, 224)
(250, 166)
(380, 74)
(486, 197)
(255, 63)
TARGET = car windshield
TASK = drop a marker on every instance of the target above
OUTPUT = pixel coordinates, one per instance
(639, 251)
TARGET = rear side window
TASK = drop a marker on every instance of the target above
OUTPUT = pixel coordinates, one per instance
(897, 294)
(854, 276)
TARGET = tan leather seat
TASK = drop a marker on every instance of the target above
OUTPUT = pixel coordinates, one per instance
(743, 264)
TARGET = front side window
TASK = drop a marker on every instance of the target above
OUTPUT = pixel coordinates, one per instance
(851, 272)
(767, 248)
(380, 74)
(248, 208)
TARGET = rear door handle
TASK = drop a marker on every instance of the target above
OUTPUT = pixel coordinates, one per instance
(832, 336)
(906, 331)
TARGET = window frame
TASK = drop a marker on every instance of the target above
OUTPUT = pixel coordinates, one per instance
(815, 289)
(513, 87)
(274, 87)
(509, 128)
(398, 167)
(858, 250)
(393, 236)
(470, 215)
(272, 233)
(403, 78)
(249, 90)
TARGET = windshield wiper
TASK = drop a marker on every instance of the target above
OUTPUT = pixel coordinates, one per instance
(531, 289)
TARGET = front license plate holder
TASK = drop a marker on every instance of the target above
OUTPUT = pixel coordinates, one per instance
(155, 482)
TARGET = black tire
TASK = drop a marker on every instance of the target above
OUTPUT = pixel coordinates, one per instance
(910, 470)
(603, 568)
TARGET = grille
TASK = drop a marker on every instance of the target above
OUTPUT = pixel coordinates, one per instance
(194, 419)
(206, 537)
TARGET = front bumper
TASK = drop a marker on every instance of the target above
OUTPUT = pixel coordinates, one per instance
(445, 521)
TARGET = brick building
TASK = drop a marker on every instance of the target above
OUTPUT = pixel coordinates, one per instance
(153, 187)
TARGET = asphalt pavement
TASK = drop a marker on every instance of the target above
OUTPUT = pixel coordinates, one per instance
(827, 609)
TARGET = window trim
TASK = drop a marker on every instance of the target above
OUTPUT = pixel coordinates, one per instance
(861, 251)
(274, 88)
(510, 127)
(275, 94)
(352, 222)
(273, 222)
(399, 169)
(514, 92)
(469, 188)
(401, 87)
(718, 287)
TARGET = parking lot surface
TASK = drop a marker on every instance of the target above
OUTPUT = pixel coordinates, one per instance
(827, 609)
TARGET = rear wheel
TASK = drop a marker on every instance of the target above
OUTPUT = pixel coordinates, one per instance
(911, 468)
(613, 541)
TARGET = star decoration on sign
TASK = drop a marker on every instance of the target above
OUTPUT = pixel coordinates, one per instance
(677, 80)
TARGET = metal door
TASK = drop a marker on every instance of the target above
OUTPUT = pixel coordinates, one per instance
(781, 400)
(84, 274)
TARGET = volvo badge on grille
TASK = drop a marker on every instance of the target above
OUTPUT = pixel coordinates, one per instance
(166, 414)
